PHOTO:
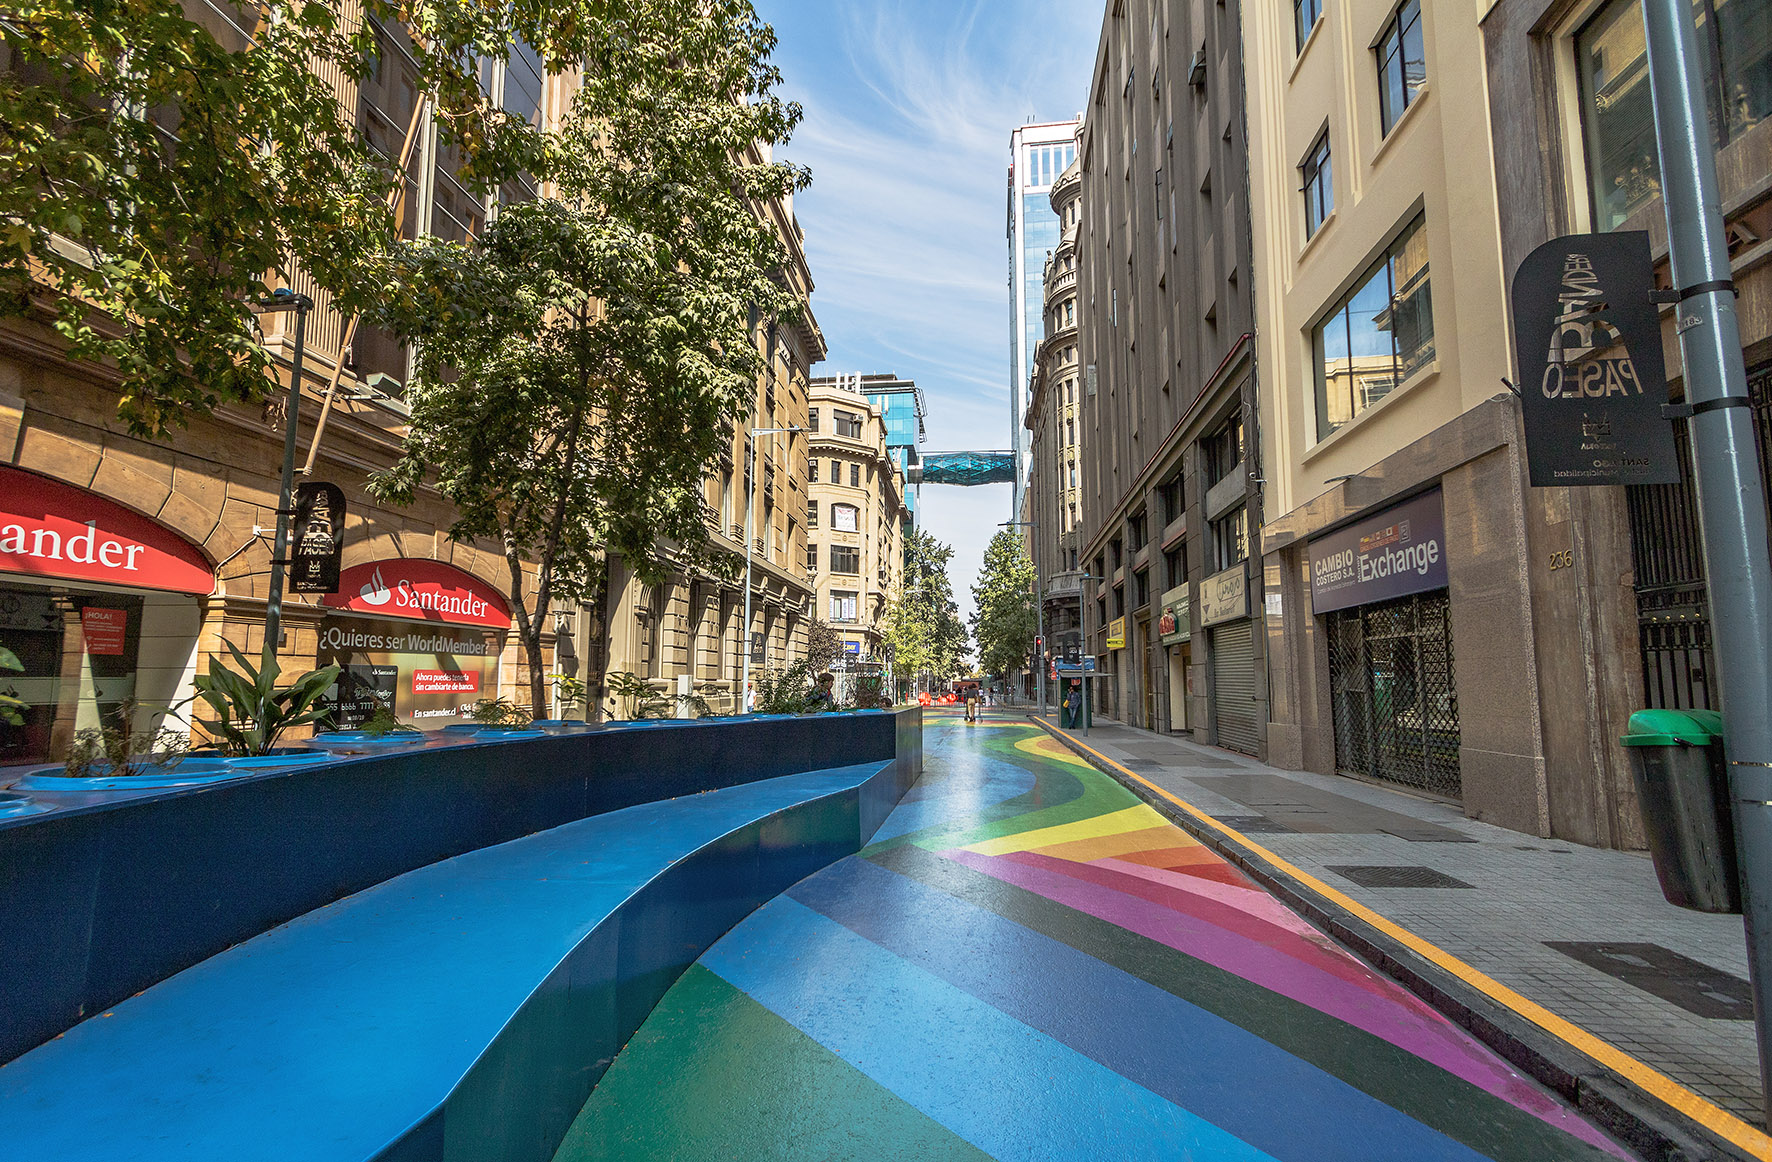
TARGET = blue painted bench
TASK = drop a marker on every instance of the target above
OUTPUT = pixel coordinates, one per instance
(462, 1010)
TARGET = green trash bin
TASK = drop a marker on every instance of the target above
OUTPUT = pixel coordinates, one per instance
(1676, 759)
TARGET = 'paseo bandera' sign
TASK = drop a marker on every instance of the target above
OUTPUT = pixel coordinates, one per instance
(1592, 380)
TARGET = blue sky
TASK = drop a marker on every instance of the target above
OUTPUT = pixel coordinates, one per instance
(909, 105)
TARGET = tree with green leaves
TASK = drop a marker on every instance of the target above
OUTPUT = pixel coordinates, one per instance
(923, 624)
(1003, 621)
(583, 362)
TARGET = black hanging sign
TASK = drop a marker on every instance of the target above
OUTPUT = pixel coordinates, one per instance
(1592, 380)
(317, 539)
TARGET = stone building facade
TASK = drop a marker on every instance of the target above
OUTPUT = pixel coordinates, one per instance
(1169, 480)
(857, 517)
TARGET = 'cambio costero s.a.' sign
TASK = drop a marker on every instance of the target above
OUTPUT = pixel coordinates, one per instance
(421, 590)
(51, 529)
(1400, 551)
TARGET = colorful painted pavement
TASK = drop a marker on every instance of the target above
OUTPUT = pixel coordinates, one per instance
(1031, 963)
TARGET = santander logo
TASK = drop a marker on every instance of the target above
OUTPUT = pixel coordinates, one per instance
(377, 591)
(420, 590)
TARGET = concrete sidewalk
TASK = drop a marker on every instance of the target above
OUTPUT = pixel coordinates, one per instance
(1583, 932)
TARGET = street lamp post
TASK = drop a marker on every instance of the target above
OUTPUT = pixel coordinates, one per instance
(281, 300)
(750, 510)
(1039, 613)
(1082, 629)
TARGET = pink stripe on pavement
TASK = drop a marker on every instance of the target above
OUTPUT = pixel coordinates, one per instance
(1387, 1012)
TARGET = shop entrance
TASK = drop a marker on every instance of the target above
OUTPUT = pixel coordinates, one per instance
(1236, 724)
(1396, 707)
(80, 652)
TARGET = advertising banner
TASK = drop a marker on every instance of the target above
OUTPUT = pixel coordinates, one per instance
(1592, 380)
(428, 675)
(1400, 551)
(316, 541)
(1176, 624)
(1116, 634)
(1225, 596)
(104, 630)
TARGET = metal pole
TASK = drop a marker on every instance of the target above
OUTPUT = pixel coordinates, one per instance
(280, 547)
(1040, 627)
(1731, 493)
(1083, 660)
(750, 505)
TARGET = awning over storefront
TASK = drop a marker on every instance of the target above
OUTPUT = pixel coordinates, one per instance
(55, 530)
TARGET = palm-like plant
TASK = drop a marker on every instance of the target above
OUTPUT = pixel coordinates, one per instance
(251, 710)
(11, 708)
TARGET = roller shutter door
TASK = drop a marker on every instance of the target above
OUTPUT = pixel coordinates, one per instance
(1237, 722)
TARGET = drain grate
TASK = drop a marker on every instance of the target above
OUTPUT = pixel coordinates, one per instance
(1679, 980)
(1255, 825)
(1397, 877)
(1427, 833)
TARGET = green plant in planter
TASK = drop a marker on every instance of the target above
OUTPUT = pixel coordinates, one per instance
(571, 692)
(784, 691)
(12, 708)
(123, 750)
(383, 723)
(251, 709)
(638, 698)
(499, 712)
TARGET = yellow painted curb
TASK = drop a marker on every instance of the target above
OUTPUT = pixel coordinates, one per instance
(1719, 1121)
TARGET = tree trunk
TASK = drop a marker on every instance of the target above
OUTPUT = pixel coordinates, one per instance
(597, 665)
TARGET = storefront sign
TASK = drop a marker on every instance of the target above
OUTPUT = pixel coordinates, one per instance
(1177, 622)
(1117, 634)
(1225, 596)
(317, 541)
(422, 590)
(427, 675)
(1592, 380)
(51, 529)
(852, 648)
(104, 630)
(1400, 551)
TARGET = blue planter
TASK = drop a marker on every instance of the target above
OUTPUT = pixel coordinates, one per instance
(190, 772)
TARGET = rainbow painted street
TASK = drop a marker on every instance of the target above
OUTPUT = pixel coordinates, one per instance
(1029, 962)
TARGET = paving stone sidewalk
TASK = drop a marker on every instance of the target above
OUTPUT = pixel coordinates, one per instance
(1582, 931)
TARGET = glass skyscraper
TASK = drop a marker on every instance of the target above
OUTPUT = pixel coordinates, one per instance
(1037, 155)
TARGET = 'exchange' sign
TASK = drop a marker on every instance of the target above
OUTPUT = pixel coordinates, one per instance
(1400, 551)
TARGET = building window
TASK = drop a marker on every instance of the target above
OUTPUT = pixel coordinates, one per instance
(847, 424)
(1141, 589)
(1377, 336)
(1137, 532)
(812, 514)
(836, 471)
(1223, 449)
(1175, 567)
(845, 518)
(1319, 185)
(1230, 538)
(1119, 601)
(812, 419)
(812, 470)
(855, 476)
(1305, 14)
(845, 559)
(1402, 62)
(1624, 170)
(842, 605)
(811, 558)
(1114, 555)
(1172, 494)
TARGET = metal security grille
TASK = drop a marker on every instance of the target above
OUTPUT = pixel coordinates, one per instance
(1234, 708)
(1673, 612)
(1396, 708)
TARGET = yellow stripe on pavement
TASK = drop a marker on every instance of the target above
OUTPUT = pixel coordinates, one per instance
(1137, 818)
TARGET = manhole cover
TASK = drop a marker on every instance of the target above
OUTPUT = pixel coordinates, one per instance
(1397, 877)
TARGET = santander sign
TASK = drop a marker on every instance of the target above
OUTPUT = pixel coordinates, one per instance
(420, 590)
(51, 529)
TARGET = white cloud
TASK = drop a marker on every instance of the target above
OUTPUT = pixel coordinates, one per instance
(909, 106)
